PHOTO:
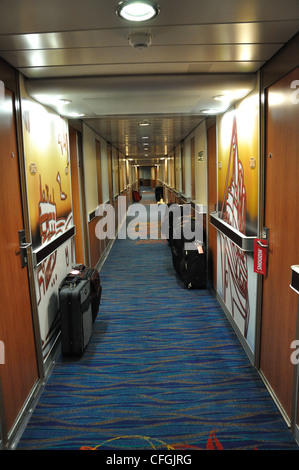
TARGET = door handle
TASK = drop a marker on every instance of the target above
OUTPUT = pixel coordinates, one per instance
(265, 237)
(25, 245)
(262, 245)
(23, 248)
(23, 253)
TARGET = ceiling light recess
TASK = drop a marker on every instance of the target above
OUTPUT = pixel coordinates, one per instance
(134, 10)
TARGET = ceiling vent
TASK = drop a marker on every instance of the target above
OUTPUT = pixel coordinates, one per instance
(140, 40)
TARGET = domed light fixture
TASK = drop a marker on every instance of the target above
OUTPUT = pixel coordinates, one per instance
(209, 111)
(137, 10)
(140, 40)
(144, 123)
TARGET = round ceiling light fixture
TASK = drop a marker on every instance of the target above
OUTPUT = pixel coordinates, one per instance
(134, 10)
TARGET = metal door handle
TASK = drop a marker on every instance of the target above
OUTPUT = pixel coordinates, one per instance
(261, 244)
(25, 245)
(23, 248)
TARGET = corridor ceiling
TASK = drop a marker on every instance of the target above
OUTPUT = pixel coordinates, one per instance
(198, 49)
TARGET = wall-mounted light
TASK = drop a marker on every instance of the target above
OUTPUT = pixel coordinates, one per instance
(75, 115)
(219, 98)
(137, 10)
(143, 123)
(209, 111)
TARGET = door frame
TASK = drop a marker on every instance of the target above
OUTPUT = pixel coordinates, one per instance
(280, 65)
(212, 200)
(80, 196)
(295, 403)
(10, 79)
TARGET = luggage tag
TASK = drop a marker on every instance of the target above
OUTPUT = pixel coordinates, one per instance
(75, 272)
(260, 256)
(199, 248)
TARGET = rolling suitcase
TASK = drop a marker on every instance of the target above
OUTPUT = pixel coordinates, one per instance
(136, 196)
(75, 316)
(171, 221)
(190, 264)
(158, 193)
(82, 272)
(193, 269)
(177, 242)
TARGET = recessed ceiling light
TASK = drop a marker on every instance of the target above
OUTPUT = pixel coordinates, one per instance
(219, 98)
(134, 10)
(209, 111)
(75, 115)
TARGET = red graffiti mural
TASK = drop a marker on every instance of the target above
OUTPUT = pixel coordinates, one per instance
(233, 259)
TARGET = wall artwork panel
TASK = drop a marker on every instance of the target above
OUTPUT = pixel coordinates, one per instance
(46, 148)
(238, 206)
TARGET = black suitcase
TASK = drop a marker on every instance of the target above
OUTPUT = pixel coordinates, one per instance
(169, 221)
(158, 193)
(190, 264)
(83, 272)
(75, 316)
(177, 240)
(193, 269)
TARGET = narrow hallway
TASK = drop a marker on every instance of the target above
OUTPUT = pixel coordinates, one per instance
(163, 370)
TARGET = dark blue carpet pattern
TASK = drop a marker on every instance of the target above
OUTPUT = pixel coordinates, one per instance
(163, 370)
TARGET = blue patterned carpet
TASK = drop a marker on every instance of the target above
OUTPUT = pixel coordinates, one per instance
(163, 370)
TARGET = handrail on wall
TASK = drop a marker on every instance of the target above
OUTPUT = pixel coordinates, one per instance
(46, 250)
(242, 241)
